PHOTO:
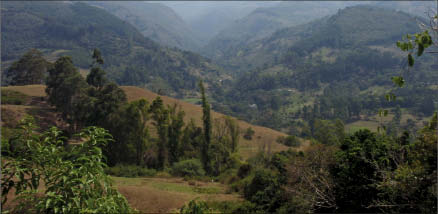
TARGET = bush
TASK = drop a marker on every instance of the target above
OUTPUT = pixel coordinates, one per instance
(13, 97)
(130, 171)
(244, 170)
(249, 133)
(190, 168)
(290, 140)
(228, 176)
(226, 206)
(74, 179)
(195, 207)
(265, 191)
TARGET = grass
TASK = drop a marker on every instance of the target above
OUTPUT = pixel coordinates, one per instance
(374, 121)
(13, 97)
(195, 101)
(155, 195)
(358, 125)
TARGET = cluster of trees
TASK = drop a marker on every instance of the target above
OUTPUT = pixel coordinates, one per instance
(362, 172)
(30, 69)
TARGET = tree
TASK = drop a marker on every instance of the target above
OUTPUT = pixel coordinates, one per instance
(96, 77)
(234, 132)
(249, 133)
(360, 161)
(31, 68)
(410, 187)
(206, 119)
(160, 115)
(105, 96)
(136, 118)
(105, 101)
(176, 123)
(192, 141)
(66, 91)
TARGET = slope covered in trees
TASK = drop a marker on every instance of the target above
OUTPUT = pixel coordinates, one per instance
(338, 67)
(168, 30)
(347, 29)
(262, 22)
(64, 28)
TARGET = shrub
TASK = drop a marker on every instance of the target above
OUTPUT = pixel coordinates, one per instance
(290, 140)
(192, 167)
(244, 170)
(249, 133)
(265, 191)
(130, 171)
(75, 180)
(195, 207)
(13, 97)
(226, 206)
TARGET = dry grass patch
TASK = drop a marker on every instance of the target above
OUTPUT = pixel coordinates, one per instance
(164, 195)
(30, 90)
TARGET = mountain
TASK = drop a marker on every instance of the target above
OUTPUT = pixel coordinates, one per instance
(75, 29)
(155, 21)
(263, 22)
(207, 18)
(339, 66)
(350, 27)
(417, 8)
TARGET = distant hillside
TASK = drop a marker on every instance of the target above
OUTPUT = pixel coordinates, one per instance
(207, 18)
(155, 21)
(75, 29)
(263, 136)
(263, 22)
(337, 67)
(351, 27)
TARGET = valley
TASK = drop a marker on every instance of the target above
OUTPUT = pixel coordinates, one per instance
(219, 107)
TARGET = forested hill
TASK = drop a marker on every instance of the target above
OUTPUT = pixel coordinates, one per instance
(349, 28)
(337, 67)
(75, 29)
(262, 22)
(155, 21)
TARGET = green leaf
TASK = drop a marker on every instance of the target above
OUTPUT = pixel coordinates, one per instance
(399, 81)
(48, 203)
(420, 49)
(385, 112)
(410, 60)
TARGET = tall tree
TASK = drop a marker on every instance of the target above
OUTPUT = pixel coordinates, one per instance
(206, 119)
(66, 91)
(96, 77)
(31, 68)
(137, 115)
(176, 123)
(234, 132)
(161, 117)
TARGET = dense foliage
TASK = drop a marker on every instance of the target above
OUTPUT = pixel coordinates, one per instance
(30, 69)
(73, 176)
